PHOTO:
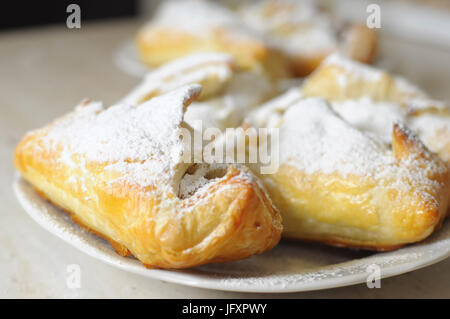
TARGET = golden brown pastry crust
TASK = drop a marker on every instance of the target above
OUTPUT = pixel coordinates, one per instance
(157, 46)
(339, 79)
(352, 213)
(360, 44)
(160, 42)
(182, 28)
(401, 199)
(307, 33)
(232, 218)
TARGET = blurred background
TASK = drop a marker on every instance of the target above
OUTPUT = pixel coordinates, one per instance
(19, 14)
(35, 32)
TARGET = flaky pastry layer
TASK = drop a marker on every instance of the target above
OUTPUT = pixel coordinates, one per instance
(228, 218)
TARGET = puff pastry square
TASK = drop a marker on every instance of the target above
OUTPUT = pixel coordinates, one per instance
(119, 172)
(344, 186)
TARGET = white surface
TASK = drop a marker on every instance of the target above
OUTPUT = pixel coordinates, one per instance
(287, 268)
(405, 20)
(46, 72)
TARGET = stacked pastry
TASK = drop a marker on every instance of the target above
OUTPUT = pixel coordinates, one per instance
(348, 175)
(363, 156)
(282, 37)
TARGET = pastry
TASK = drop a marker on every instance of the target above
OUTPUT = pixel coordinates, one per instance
(123, 173)
(181, 28)
(342, 186)
(229, 93)
(270, 113)
(280, 37)
(307, 33)
(373, 99)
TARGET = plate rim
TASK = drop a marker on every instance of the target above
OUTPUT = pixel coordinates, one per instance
(188, 279)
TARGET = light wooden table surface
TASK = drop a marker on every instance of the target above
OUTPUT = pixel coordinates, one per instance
(44, 72)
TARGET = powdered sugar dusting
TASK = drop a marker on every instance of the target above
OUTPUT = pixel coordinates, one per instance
(269, 114)
(407, 103)
(142, 142)
(194, 181)
(313, 138)
(230, 93)
(195, 68)
(421, 103)
(243, 93)
(435, 131)
(370, 116)
(355, 68)
(190, 62)
(199, 17)
(368, 73)
(296, 27)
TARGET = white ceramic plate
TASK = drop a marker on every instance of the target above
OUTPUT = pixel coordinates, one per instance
(289, 267)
